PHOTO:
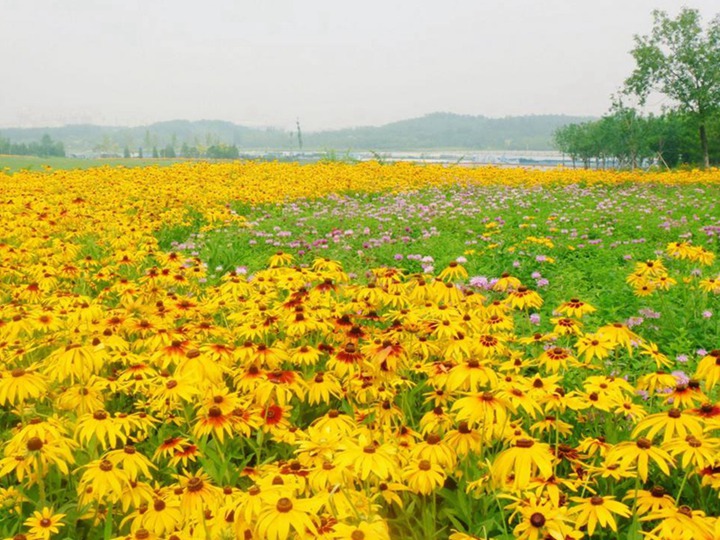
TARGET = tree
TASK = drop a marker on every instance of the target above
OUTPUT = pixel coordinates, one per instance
(682, 61)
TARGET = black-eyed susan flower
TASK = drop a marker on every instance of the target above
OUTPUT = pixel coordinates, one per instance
(541, 519)
(682, 523)
(21, 384)
(284, 513)
(597, 511)
(519, 463)
(367, 458)
(696, 450)
(103, 427)
(365, 529)
(708, 370)
(672, 424)
(654, 500)
(575, 308)
(134, 463)
(106, 480)
(640, 453)
(423, 476)
(523, 298)
(43, 524)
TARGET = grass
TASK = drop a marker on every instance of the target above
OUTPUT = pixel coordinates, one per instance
(13, 164)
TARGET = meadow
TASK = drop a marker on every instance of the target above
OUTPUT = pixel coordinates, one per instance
(335, 351)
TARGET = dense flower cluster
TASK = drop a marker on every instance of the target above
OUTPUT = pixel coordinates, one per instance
(139, 400)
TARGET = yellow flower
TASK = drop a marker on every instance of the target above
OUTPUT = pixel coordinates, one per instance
(284, 513)
(106, 481)
(708, 369)
(640, 453)
(454, 271)
(132, 462)
(44, 524)
(671, 424)
(541, 519)
(681, 523)
(521, 462)
(523, 298)
(696, 450)
(575, 308)
(650, 501)
(280, 259)
(375, 529)
(369, 459)
(423, 476)
(102, 426)
(596, 510)
(20, 384)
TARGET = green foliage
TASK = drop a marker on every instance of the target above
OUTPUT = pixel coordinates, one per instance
(45, 148)
(682, 61)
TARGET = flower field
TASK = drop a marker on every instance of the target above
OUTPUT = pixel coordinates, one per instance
(333, 351)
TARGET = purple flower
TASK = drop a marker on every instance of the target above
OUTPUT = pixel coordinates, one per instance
(536, 275)
(643, 394)
(535, 318)
(479, 281)
(398, 257)
(682, 358)
(681, 377)
(542, 282)
(707, 313)
(516, 264)
(701, 352)
(634, 321)
(461, 260)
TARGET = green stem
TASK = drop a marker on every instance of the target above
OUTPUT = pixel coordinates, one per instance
(682, 487)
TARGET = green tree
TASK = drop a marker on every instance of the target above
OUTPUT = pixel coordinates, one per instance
(681, 60)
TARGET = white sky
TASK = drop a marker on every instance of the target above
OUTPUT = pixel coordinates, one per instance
(332, 63)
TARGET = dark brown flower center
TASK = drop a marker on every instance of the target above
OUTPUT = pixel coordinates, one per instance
(643, 443)
(34, 444)
(424, 465)
(195, 484)
(524, 443)
(284, 505)
(657, 491)
(214, 412)
(537, 520)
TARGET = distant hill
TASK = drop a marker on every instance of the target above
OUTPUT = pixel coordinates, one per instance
(435, 131)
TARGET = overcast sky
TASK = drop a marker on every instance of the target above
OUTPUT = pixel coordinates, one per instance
(330, 63)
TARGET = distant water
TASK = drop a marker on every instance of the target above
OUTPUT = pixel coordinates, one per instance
(468, 158)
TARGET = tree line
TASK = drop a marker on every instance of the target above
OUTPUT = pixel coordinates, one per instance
(215, 151)
(46, 147)
(679, 60)
(626, 138)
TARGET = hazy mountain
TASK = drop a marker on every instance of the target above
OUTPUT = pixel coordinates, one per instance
(431, 132)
